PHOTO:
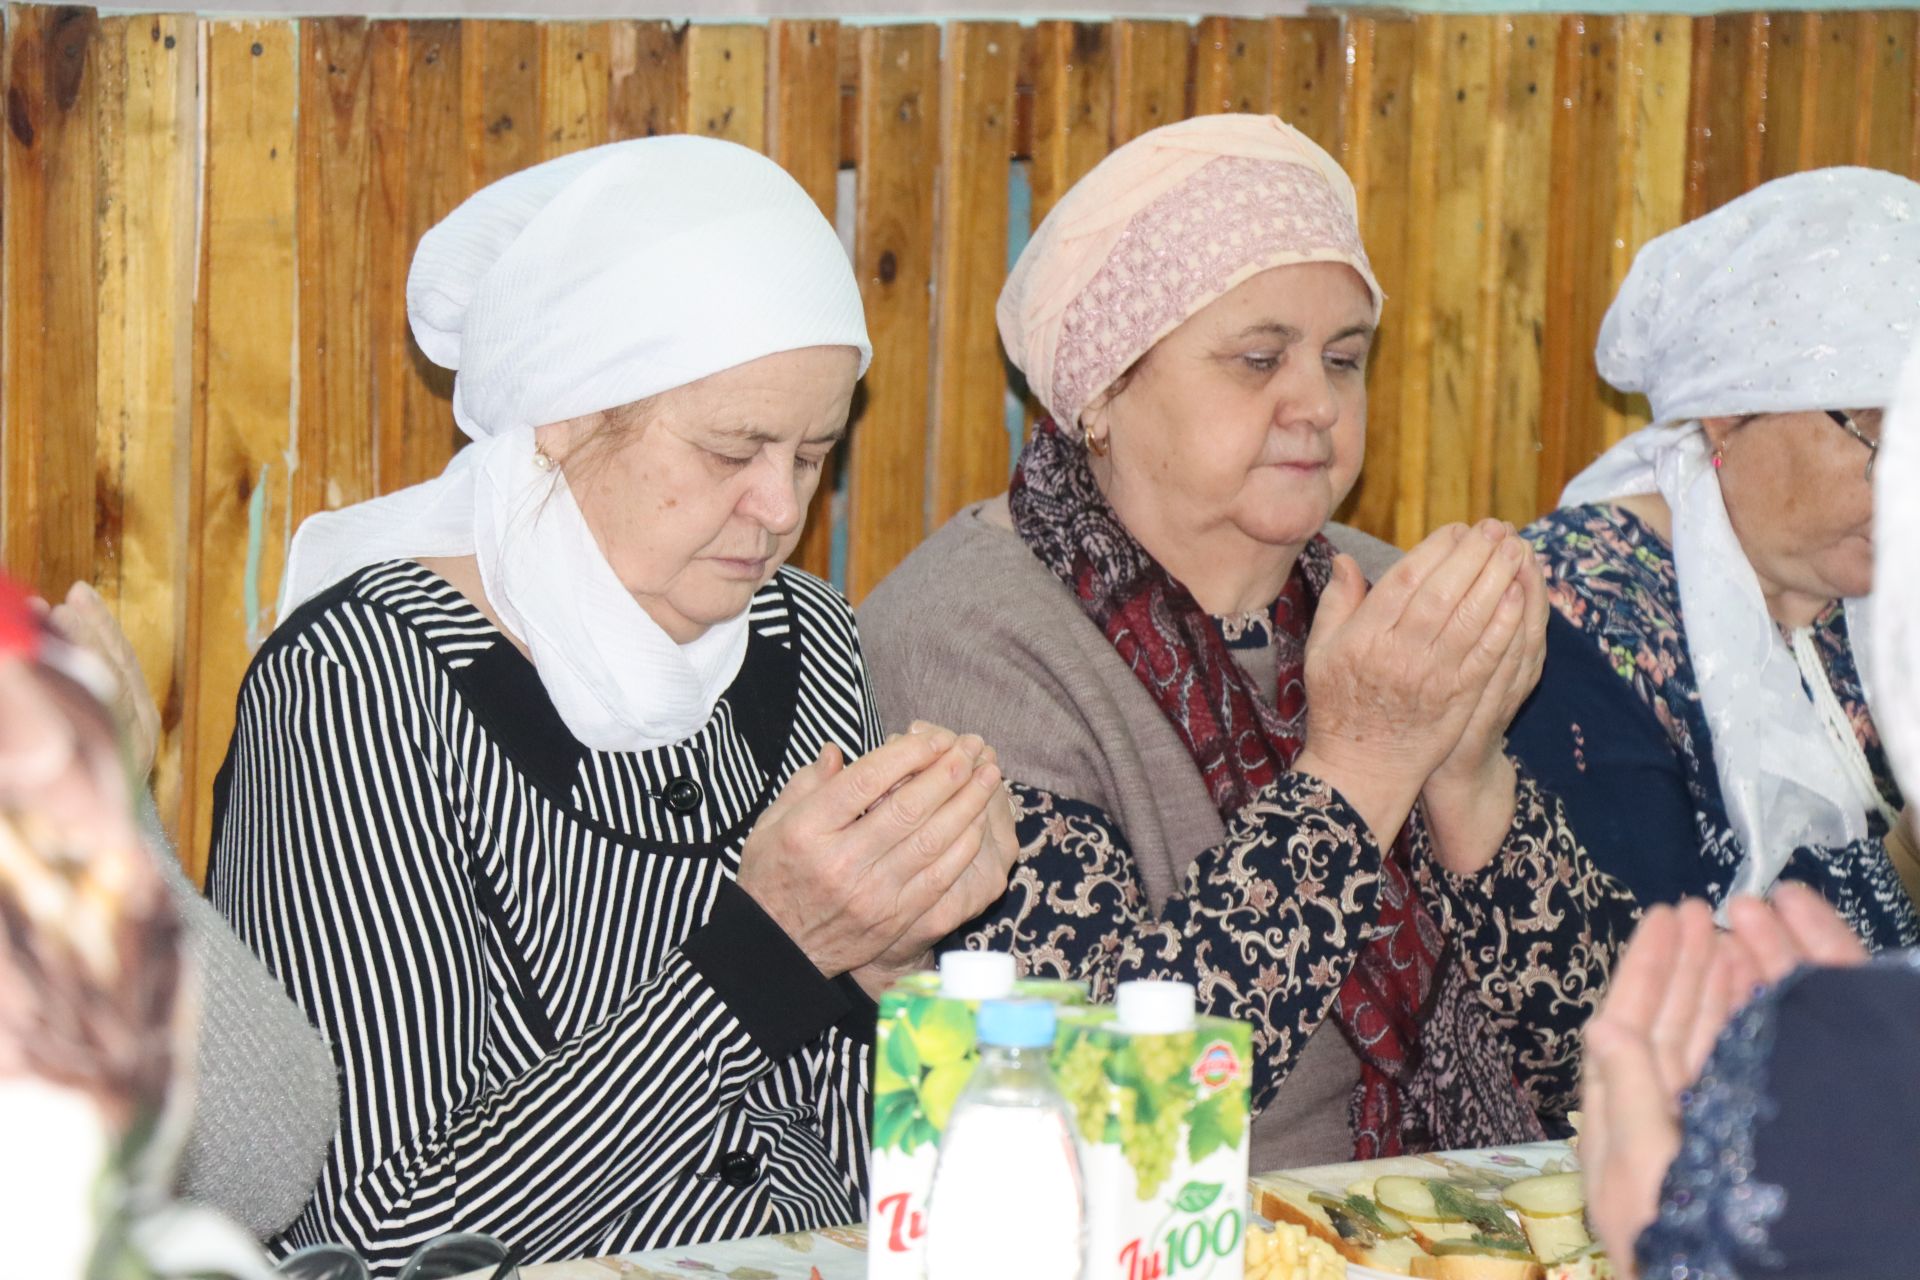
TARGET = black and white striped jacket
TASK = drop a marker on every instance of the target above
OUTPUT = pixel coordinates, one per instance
(556, 1018)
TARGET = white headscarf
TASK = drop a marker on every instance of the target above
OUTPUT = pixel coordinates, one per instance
(1896, 614)
(587, 283)
(1802, 294)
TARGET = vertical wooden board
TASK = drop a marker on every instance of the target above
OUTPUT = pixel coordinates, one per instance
(1843, 93)
(1231, 70)
(434, 133)
(1310, 78)
(1584, 204)
(893, 239)
(1793, 79)
(47, 366)
(1728, 90)
(727, 84)
(1451, 253)
(976, 132)
(575, 74)
(240, 495)
(1379, 156)
(149, 133)
(499, 98)
(1072, 107)
(1506, 483)
(1151, 65)
(803, 134)
(389, 251)
(334, 442)
(647, 90)
(1890, 115)
(1657, 60)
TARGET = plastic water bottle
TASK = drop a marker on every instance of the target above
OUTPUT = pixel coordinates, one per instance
(1006, 1202)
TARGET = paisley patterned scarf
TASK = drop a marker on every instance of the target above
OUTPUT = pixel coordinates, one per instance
(1241, 743)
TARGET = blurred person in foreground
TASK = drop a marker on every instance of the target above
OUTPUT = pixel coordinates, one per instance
(1780, 1139)
(98, 1003)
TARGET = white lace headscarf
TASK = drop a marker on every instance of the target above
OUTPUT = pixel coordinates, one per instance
(1896, 585)
(1803, 294)
(582, 284)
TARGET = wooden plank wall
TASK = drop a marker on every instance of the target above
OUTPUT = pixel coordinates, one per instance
(207, 225)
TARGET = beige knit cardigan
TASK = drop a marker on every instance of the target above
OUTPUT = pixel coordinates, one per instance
(973, 632)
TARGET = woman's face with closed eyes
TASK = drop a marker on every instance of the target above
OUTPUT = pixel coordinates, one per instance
(697, 496)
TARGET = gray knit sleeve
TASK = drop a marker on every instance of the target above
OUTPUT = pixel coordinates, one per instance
(267, 1101)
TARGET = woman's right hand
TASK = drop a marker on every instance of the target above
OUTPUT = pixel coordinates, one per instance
(853, 860)
(1394, 674)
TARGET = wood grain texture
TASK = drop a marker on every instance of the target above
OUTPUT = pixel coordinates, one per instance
(436, 129)
(1072, 107)
(1379, 156)
(1152, 67)
(1651, 141)
(148, 131)
(1727, 132)
(1232, 65)
(575, 77)
(499, 98)
(803, 134)
(1889, 118)
(1793, 80)
(1580, 252)
(976, 109)
(241, 492)
(334, 443)
(389, 254)
(1454, 267)
(727, 84)
(49, 267)
(1311, 78)
(899, 124)
(1505, 477)
(647, 90)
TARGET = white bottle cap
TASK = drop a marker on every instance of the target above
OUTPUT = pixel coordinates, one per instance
(976, 975)
(1150, 1007)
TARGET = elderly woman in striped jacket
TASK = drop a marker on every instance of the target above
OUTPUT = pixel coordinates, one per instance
(555, 799)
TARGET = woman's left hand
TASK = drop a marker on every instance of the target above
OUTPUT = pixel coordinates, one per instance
(1469, 797)
(1476, 757)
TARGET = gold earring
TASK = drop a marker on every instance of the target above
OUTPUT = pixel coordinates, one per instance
(1096, 445)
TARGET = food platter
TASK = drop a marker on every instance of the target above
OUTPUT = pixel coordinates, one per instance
(1498, 1214)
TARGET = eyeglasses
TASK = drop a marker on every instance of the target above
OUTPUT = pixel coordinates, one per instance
(1852, 428)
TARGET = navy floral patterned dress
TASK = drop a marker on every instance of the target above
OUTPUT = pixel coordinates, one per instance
(1796, 1145)
(1617, 731)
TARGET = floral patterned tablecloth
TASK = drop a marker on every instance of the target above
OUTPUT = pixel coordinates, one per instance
(840, 1253)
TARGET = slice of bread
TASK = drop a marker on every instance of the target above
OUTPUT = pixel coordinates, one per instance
(1284, 1200)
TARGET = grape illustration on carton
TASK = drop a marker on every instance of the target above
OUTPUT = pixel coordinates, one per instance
(924, 1052)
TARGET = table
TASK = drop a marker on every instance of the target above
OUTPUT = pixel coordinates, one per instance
(839, 1253)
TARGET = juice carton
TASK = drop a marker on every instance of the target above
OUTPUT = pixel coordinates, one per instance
(1161, 1101)
(924, 1052)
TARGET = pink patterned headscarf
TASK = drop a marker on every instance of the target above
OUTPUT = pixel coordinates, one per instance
(1159, 229)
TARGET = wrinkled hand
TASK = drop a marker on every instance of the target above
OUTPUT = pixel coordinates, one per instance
(1483, 741)
(84, 619)
(853, 861)
(995, 850)
(1395, 675)
(1670, 995)
(1676, 987)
